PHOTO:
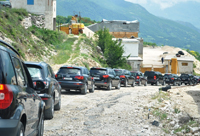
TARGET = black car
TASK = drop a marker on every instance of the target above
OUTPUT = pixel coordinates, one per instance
(197, 79)
(5, 4)
(139, 78)
(154, 77)
(125, 77)
(51, 95)
(105, 77)
(188, 79)
(21, 108)
(172, 79)
(75, 78)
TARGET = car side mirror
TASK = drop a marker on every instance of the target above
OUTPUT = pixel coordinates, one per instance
(39, 85)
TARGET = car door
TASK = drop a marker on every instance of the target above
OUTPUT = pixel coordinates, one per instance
(54, 84)
(112, 77)
(28, 96)
(89, 78)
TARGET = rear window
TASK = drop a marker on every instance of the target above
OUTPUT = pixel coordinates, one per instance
(70, 71)
(35, 72)
(98, 71)
(149, 73)
(184, 75)
(118, 72)
(167, 75)
(134, 74)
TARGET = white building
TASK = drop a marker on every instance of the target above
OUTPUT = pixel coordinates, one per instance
(185, 64)
(39, 7)
(134, 48)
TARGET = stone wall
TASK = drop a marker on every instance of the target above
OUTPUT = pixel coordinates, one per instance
(38, 21)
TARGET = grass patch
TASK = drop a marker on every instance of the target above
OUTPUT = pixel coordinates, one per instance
(185, 127)
(161, 115)
(160, 96)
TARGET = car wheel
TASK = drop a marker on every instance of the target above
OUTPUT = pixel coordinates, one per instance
(58, 105)
(151, 83)
(20, 131)
(118, 86)
(110, 86)
(125, 83)
(179, 84)
(41, 126)
(163, 83)
(145, 83)
(185, 83)
(157, 83)
(92, 89)
(133, 84)
(49, 112)
(84, 90)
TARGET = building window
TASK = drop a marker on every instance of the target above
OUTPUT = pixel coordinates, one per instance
(184, 64)
(30, 2)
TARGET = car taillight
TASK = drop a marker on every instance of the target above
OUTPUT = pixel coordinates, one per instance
(154, 77)
(138, 77)
(46, 84)
(56, 76)
(105, 76)
(122, 76)
(79, 77)
(44, 99)
(172, 78)
(6, 96)
(34, 83)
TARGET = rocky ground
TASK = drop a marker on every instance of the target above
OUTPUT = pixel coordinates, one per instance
(129, 111)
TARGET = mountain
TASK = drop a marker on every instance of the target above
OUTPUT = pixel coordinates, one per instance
(183, 11)
(152, 28)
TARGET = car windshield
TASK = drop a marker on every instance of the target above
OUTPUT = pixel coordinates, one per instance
(35, 72)
(118, 72)
(70, 71)
(98, 71)
(149, 73)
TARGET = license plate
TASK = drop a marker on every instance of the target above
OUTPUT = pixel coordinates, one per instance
(66, 78)
(96, 77)
(167, 79)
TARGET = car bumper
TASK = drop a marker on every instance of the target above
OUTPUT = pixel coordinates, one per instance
(101, 83)
(9, 127)
(48, 101)
(72, 85)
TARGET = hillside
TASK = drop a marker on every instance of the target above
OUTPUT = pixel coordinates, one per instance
(53, 47)
(152, 28)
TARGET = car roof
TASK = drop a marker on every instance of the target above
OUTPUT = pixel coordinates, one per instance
(41, 64)
(65, 66)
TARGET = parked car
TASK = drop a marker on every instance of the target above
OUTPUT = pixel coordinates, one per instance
(154, 77)
(187, 79)
(172, 79)
(21, 108)
(5, 4)
(139, 78)
(197, 79)
(75, 78)
(125, 77)
(105, 77)
(51, 95)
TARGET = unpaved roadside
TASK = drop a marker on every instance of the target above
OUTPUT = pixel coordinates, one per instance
(115, 112)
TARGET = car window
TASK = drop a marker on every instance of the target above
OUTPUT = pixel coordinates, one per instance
(95, 71)
(35, 72)
(118, 72)
(70, 71)
(149, 73)
(19, 72)
(8, 69)
(51, 71)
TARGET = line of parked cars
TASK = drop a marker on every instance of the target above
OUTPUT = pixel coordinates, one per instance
(30, 91)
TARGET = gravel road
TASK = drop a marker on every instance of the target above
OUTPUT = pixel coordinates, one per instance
(113, 113)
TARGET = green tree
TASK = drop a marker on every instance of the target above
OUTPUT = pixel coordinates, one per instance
(112, 50)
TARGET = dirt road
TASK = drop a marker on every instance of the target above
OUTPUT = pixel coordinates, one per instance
(115, 112)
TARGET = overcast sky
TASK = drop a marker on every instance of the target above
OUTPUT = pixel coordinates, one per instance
(162, 3)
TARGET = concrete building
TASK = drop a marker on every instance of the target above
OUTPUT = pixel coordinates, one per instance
(39, 7)
(118, 28)
(133, 48)
(185, 64)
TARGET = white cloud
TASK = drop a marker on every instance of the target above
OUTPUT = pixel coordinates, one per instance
(162, 3)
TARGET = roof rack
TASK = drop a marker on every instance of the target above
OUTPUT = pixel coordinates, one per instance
(9, 46)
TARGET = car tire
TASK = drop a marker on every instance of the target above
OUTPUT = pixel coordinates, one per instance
(48, 114)
(139, 83)
(41, 126)
(118, 86)
(157, 84)
(20, 131)
(58, 105)
(110, 86)
(133, 84)
(151, 83)
(125, 83)
(163, 83)
(92, 89)
(84, 90)
(145, 83)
